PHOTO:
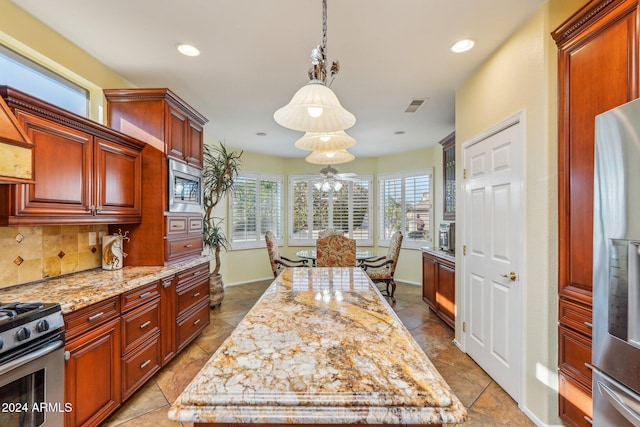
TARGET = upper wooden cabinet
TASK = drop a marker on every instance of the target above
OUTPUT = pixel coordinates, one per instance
(83, 171)
(598, 55)
(449, 177)
(160, 118)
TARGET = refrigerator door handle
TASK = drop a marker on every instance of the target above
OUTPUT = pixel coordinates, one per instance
(621, 404)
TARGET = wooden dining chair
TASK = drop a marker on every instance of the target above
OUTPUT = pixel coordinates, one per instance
(382, 269)
(278, 262)
(336, 251)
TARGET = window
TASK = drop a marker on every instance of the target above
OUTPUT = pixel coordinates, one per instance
(405, 205)
(256, 207)
(347, 208)
(23, 74)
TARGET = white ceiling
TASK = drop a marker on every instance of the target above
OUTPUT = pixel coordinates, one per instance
(255, 55)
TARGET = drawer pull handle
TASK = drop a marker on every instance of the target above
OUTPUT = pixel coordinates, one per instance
(95, 316)
(196, 322)
(166, 283)
(196, 295)
(145, 324)
(589, 420)
(145, 364)
(146, 294)
(588, 325)
(589, 366)
(197, 273)
(188, 246)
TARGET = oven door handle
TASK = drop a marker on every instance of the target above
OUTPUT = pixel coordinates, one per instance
(618, 402)
(9, 366)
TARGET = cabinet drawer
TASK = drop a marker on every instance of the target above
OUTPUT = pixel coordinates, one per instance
(576, 316)
(190, 295)
(140, 365)
(88, 317)
(575, 402)
(184, 247)
(574, 352)
(136, 297)
(191, 324)
(195, 225)
(177, 224)
(192, 273)
(140, 324)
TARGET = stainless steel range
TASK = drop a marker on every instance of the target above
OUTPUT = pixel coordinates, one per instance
(31, 365)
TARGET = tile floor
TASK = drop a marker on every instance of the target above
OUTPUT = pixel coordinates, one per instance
(488, 404)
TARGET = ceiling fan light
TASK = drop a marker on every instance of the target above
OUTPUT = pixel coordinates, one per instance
(321, 158)
(296, 115)
(327, 141)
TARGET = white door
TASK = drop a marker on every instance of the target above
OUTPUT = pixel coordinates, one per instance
(493, 239)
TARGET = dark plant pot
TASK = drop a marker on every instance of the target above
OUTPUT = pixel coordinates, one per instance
(216, 290)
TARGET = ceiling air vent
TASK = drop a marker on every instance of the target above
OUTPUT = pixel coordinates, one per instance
(415, 104)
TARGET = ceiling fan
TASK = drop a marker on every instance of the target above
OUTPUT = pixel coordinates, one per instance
(330, 179)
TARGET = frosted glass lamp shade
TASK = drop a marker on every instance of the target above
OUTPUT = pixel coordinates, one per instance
(314, 108)
(329, 157)
(328, 141)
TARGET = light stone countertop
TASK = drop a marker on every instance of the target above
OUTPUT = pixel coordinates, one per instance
(320, 346)
(78, 290)
(440, 253)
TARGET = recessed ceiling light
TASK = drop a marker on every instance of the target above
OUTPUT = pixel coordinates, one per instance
(462, 46)
(188, 50)
(399, 132)
(261, 133)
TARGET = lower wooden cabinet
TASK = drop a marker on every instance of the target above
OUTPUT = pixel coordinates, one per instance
(438, 285)
(115, 346)
(92, 375)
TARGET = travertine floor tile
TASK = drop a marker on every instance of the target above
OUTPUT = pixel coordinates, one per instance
(147, 399)
(174, 377)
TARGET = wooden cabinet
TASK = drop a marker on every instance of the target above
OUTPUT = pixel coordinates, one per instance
(168, 341)
(597, 70)
(83, 172)
(16, 157)
(160, 118)
(192, 305)
(171, 128)
(438, 285)
(92, 367)
(141, 348)
(449, 177)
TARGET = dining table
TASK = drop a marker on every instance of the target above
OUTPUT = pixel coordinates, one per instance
(361, 255)
(321, 346)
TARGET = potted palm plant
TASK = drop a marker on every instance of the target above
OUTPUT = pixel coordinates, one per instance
(219, 171)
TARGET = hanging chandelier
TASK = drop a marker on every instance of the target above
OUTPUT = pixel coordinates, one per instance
(315, 108)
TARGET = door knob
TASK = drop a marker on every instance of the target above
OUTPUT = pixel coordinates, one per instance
(513, 276)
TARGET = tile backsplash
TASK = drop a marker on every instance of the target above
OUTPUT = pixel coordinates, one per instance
(34, 253)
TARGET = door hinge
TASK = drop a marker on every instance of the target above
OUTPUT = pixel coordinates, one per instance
(464, 173)
(464, 249)
(464, 326)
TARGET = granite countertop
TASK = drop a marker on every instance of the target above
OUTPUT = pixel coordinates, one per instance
(78, 290)
(321, 345)
(449, 256)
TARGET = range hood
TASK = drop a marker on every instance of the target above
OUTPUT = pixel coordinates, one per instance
(16, 155)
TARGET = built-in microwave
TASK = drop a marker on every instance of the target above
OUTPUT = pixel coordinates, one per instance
(185, 187)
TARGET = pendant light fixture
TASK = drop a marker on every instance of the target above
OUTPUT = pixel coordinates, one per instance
(329, 157)
(328, 141)
(315, 108)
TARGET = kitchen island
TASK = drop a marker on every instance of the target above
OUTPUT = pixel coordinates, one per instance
(321, 346)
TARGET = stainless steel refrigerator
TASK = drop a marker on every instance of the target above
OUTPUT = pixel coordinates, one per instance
(616, 268)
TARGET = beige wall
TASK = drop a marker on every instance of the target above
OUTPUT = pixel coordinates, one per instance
(521, 76)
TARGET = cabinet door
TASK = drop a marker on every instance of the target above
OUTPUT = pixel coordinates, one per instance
(92, 375)
(446, 296)
(177, 145)
(195, 144)
(118, 179)
(63, 170)
(168, 319)
(429, 279)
